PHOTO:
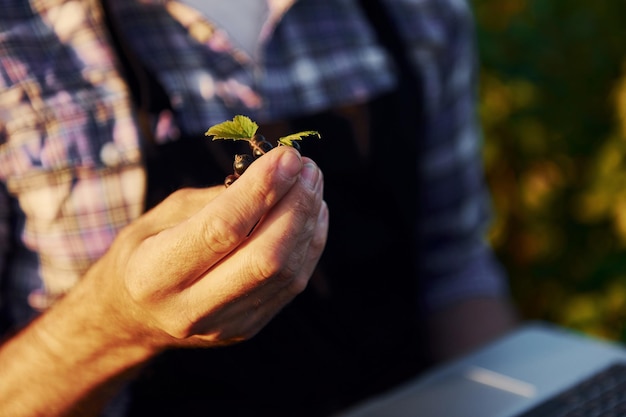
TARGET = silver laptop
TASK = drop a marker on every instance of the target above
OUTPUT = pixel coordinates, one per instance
(508, 378)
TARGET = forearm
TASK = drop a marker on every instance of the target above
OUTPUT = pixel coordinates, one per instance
(70, 361)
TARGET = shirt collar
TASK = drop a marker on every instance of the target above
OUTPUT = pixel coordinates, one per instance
(248, 23)
(248, 27)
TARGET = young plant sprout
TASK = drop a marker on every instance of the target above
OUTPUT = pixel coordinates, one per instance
(243, 128)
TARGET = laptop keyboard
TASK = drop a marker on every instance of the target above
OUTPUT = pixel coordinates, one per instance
(601, 395)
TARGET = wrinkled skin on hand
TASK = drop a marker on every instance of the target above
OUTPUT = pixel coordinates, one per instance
(210, 267)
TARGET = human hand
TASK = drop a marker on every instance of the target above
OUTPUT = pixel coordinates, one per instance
(206, 267)
(210, 267)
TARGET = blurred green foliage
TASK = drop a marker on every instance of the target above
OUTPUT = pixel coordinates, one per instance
(553, 106)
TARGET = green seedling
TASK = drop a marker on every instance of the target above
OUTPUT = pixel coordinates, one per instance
(244, 128)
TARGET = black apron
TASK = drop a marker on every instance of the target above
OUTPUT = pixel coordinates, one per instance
(356, 331)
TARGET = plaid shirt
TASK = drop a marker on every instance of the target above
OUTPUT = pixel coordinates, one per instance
(70, 142)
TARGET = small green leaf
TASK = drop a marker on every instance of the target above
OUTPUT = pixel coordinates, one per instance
(240, 128)
(288, 140)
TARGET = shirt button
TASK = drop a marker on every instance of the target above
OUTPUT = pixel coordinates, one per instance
(110, 155)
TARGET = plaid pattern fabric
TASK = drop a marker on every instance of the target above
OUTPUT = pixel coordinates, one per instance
(70, 145)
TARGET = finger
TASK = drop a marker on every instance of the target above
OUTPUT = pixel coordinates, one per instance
(188, 249)
(266, 304)
(271, 258)
(285, 256)
(243, 320)
(284, 232)
(316, 247)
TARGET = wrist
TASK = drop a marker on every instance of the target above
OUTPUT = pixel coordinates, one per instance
(86, 328)
(75, 356)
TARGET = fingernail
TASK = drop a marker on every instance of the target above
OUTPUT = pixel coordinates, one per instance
(309, 175)
(290, 164)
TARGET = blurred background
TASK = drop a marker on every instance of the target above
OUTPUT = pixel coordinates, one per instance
(553, 105)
